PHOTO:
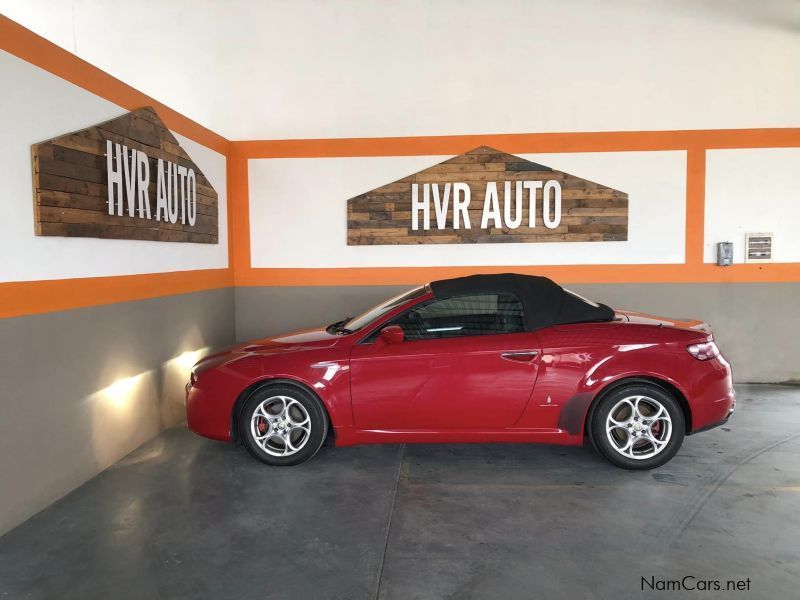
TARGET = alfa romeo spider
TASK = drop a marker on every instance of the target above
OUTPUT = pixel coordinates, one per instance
(484, 358)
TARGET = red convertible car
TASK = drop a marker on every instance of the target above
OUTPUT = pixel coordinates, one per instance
(485, 358)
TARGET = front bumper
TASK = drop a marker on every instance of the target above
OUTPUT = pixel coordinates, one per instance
(207, 414)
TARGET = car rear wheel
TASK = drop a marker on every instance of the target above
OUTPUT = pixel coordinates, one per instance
(282, 425)
(638, 426)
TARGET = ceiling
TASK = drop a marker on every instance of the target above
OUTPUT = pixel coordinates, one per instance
(271, 69)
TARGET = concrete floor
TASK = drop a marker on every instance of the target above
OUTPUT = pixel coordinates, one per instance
(185, 517)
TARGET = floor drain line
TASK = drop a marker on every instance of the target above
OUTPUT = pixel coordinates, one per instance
(389, 524)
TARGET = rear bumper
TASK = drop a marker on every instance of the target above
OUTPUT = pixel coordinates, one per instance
(712, 398)
(713, 425)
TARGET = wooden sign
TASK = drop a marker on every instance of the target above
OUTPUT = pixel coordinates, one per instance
(487, 196)
(127, 178)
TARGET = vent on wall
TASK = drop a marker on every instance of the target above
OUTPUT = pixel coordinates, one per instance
(758, 247)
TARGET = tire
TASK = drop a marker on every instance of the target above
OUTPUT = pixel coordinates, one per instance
(638, 426)
(264, 427)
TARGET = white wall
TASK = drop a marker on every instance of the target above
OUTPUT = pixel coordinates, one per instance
(298, 213)
(35, 106)
(753, 190)
(274, 69)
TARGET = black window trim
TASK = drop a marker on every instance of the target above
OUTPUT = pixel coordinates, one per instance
(385, 320)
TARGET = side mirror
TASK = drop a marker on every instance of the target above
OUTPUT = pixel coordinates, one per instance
(393, 334)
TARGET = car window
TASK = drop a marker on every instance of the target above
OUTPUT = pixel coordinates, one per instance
(369, 316)
(478, 314)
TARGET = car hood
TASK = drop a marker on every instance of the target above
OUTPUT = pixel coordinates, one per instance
(305, 339)
(297, 341)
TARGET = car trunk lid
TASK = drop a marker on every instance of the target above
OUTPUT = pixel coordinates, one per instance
(639, 318)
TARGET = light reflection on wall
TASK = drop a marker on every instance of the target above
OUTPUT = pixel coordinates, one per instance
(187, 360)
(119, 392)
(135, 407)
(175, 374)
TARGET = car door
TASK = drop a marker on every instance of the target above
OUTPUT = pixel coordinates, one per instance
(465, 363)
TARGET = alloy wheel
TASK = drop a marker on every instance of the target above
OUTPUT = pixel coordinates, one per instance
(280, 426)
(639, 427)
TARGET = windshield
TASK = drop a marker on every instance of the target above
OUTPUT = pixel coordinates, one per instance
(369, 316)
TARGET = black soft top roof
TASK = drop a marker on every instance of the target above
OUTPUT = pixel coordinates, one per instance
(544, 301)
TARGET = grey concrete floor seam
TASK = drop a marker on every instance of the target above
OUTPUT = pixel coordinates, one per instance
(401, 454)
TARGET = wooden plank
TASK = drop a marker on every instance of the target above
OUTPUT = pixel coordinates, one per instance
(204, 199)
(376, 240)
(84, 144)
(77, 157)
(388, 232)
(466, 168)
(590, 220)
(65, 184)
(483, 176)
(598, 228)
(65, 200)
(136, 128)
(122, 232)
(62, 169)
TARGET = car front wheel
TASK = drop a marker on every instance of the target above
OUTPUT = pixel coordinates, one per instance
(282, 425)
(638, 426)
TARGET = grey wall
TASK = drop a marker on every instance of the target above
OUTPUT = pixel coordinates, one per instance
(755, 324)
(262, 311)
(60, 422)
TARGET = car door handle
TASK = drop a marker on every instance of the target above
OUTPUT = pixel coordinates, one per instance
(521, 356)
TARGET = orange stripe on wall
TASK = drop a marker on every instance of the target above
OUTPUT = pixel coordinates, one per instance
(673, 273)
(28, 46)
(239, 201)
(695, 205)
(517, 143)
(20, 298)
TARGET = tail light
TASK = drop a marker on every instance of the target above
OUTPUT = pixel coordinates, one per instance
(703, 351)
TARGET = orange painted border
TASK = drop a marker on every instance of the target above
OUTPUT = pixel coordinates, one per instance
(565, 274)
(23, 43)
(239, 201)
(695, 206)
(19, 298)
(520, 143)
(695, 143)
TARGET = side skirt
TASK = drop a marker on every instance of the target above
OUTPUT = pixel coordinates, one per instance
(349, 436)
